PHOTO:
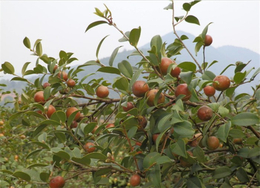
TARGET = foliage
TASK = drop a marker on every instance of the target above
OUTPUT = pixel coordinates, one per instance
(165, 143)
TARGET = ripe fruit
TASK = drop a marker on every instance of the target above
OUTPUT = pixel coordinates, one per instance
(110, 125)
(74, 124)
(151, 97)
(212, 142)
(237, 141)
(102, 91)
(209, 91)
(1, 134)
(89, 147)
(1, 122)
(165, 63)
(221, 82)
(195, 140)
(135, 180)
(39, 96)
(208, 40)
(184, 162)
(139, 88)
(204, 113)
(63, 75)
(57, 182)
(50, 111)
(71, 83)
(71, 110)
(128, 107)
(182, 89)
(46, 84)
(55, 68)
(155, 136)
(94, 130)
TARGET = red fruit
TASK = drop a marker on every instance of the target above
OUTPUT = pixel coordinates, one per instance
(110, 125)
(142, 122)
(208, 40)
(237, 140)
(165, 63)
(209, 91)
(135, 180)
(57, 182)
(151, 97)
(50, 111)
(184, 162)
(204, 113)
(94, 130)
(183, 89)
(46, 84)
(139, 88)
(55, 68)
(155, 136)
(221, 82)
(213, 142)
(102, 91)
(71, 83)
(63, 75)
(71, 110)
(39, 96)
(74, 124)
(89, 147)
(128, 107)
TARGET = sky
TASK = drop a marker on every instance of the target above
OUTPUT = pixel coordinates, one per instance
(61, 25)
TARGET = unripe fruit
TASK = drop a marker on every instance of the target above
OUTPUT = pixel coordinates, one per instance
(128, 107)
(71, 110)
(50, 111)
(102, 91)
(221, 82)
(89, 147)
(182, 89)
(142, 122)
(212, 142)
(57, 182)
(208, 40)
(135, 180)
(63, 75)
(46, 84)
(139, 88)
(71, 83)
(1, 122)
(165, 63)
(151, 97)
(39, 96)
(204, 113)
(209, 91)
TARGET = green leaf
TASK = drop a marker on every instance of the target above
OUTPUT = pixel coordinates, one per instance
(223, 111)
(84, 160)
(125, 68)
(245, 119)
(186, 76)
(25, 67)
(63, 155)
(110, 70)
(44, 176)
(208, 75)
(113, 55)
(27, 43)
(187, 66)
(96, 155)
(192, 19)
(59, 116)
(184, 129)
(163, 160)
(199, 154)
(150, 159)
(134, 78)
(131, 132)
(226, 68)
(154, 176)
(239, 77)
(198, 46)
(221, 172)
(89, 127)
(99, 45)
(186, 6)
(242, 175)
(122, 84)
(93, 24)
(19, 79)
(39, 49)
(22, 175)
(195, 182)
(204, 32)
(179, 148)
(134, 36)
(223, 131)
(8, 68)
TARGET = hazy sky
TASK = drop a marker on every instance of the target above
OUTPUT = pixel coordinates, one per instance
(61, 25)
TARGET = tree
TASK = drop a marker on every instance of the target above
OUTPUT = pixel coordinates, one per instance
(161, 142)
